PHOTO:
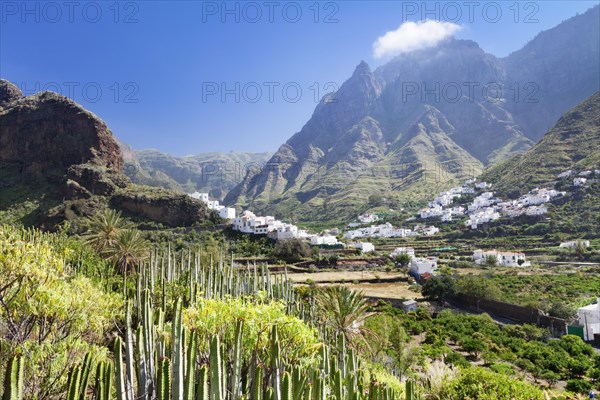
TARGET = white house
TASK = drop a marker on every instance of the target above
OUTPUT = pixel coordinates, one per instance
(227, 213)
(324, 240)
(482, 185)
(589, 318)
(565, 174)
(243, 223)
(536, 211)
(364, 247)
(447, 216)
(573, 244)
(403, 250)
(503, 258)
(488, 214)
(579, 181)
(512, 211)
(422, 265)
(430, 230)
(367, 218)
(199, 196)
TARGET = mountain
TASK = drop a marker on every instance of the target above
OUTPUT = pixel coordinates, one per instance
(59, 162)
(215, 173)
(555, 71)
(423, 122)
(573, 143)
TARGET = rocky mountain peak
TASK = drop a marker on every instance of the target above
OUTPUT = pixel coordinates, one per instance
(48, 133)
(362, 69)
(8, 92)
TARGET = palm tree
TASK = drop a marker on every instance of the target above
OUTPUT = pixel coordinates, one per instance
(129, 249)
(104, 228)
(346, 311)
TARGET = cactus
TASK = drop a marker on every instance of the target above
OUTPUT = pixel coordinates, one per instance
(410, 391)
(275, 364)
(286, 387)
(216, 373)
(129, 371)
(298, 383)
(73, 383)
(177, 353)
(13, 379)
(202, 384)
(103, 381)
(142, 374)
(188, 392)
(164, 380)
(237, 361)
(86, 370)
(257, 389)
(337, 384)
(119, 370)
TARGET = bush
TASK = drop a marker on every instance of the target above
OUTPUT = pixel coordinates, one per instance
(579, 386)
(480, 383)
(291, 250)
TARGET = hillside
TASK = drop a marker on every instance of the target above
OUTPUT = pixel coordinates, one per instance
(59, 162)
(384, 133)
(573, 143)
(215, 173)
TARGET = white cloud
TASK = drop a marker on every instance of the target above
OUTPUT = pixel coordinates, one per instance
(412, 36)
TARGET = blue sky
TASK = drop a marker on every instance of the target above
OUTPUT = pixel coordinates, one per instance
(184, 77)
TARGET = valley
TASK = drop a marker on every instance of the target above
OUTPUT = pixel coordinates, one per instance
(431, 231)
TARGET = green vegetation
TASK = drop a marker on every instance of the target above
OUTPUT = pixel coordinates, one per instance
(453, 338)
(574, 143)
(183, 325)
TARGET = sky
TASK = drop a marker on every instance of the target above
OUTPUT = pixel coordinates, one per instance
(190, 77)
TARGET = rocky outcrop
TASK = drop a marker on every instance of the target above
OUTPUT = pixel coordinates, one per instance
(166, 208)
(8, 93)
(47, 133)
(55, 152)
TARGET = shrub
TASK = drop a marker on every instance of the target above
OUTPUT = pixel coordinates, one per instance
(291, 250)
(579, 385)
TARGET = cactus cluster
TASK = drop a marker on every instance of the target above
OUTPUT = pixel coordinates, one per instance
(158, 359)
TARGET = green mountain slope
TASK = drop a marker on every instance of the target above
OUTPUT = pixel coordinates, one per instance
(574, 143)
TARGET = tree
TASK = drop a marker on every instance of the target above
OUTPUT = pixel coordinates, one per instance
(491, 261)
(439, 288)
(580, 250)
(345, 311)
(403, 259)
(104, 228)
(551, 377)
(561, 310)
(473, 346)
(129, 249)
(375, 200)
(291, 249)
(579, 385)
(478, 286)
